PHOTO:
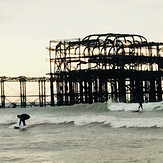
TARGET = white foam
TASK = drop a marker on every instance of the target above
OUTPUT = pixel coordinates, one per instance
(115, 122)
(134, 106)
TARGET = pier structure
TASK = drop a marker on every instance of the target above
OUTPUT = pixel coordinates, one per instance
(23, 102)
(121, 67)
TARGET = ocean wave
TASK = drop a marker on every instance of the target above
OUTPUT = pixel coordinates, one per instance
(95, 108)
(86, 114)
(111, 121)
(151, 106)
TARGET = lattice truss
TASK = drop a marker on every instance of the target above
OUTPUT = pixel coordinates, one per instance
(105, 51)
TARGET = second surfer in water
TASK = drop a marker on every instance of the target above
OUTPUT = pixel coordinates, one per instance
(23, 118)
(140, 106)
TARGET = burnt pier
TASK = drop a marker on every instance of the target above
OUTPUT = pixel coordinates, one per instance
(121, 67)
(22, 98)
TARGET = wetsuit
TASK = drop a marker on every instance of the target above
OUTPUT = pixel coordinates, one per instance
(22, 118)
(140, 106)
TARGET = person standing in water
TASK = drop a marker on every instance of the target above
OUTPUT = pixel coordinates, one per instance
(140, 106)
(23, 118)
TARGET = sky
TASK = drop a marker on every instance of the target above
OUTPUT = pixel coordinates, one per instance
(27, 26)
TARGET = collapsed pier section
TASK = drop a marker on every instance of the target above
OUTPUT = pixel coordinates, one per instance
(121, 67)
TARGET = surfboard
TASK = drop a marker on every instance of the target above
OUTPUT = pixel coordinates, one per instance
(16, 127)
(137, 111)
(21, 128)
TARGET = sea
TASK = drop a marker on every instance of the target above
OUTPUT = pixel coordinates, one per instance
(84, 133)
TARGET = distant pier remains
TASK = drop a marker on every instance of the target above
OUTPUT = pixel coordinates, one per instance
(99, 67)
(22, 99)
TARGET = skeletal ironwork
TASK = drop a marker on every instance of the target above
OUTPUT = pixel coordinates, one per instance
(123, 67)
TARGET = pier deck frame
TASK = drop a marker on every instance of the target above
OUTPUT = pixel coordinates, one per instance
(23, 80)
(121, 67)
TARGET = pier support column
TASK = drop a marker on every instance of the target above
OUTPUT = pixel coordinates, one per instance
(71, 92)
(132, 90)
(59, 85)
(100, 90)
(105, 90)
(23, 92)
(76, 92)
(81, 91)
(122, 90)
(2, 94)
(42, 93)
(85, 92)
(152, 91)
(90, 92)
(66, 90)
(114, 90)
(51, 89)
(146, 89)
(159, 89)
(95, 93)
(139, 90)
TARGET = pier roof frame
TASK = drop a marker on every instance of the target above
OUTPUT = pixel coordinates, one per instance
(72, 54)
(23, 79)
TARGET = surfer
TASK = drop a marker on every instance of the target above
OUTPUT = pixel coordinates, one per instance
(140, 106)
(22, 118)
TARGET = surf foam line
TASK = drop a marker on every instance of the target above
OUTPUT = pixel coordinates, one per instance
(111, 121)
(151, 106)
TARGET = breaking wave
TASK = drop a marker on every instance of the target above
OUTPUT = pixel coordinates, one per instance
(115, 115)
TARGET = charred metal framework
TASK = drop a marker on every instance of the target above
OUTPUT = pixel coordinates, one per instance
(123, 67)
(22, 80)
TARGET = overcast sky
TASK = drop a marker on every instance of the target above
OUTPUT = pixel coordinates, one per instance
(27, 26)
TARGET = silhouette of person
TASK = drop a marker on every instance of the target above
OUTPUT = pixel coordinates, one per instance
(22, 118)
(140, 106)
